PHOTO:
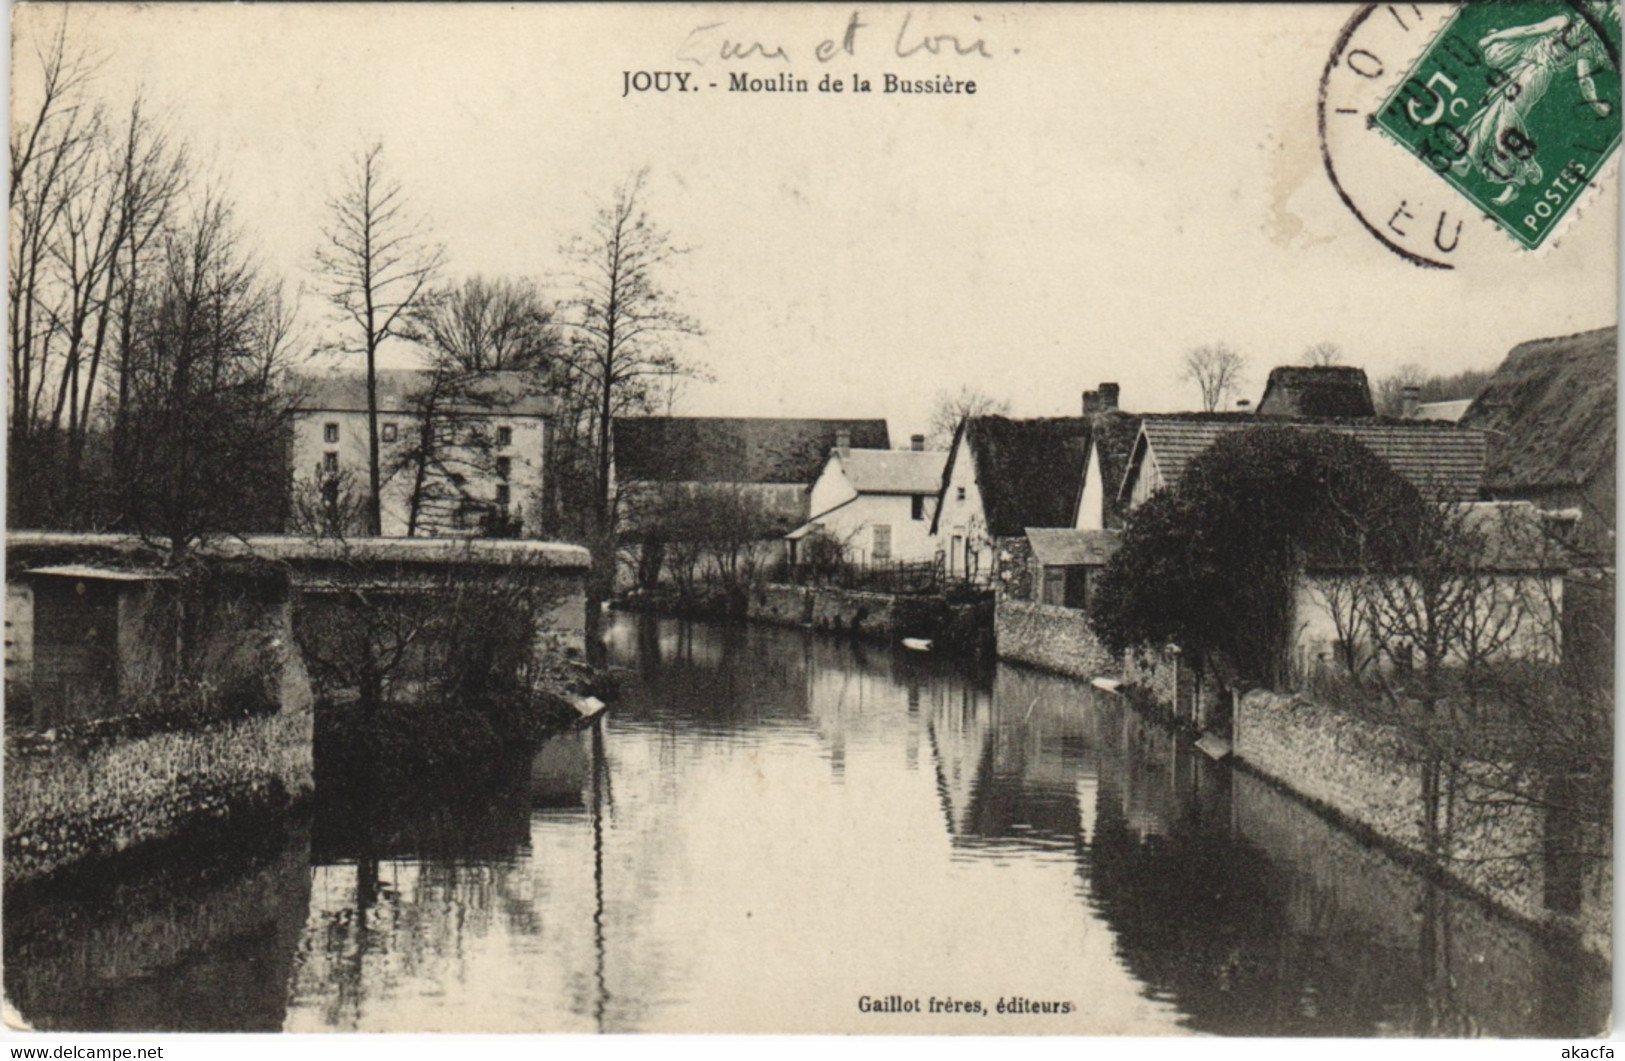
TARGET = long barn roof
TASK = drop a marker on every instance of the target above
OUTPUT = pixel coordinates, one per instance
(716, 449)
(1443, 460)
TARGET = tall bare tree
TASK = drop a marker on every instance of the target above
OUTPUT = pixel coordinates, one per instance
(1216, 370)
(490, 325)
(208, 393)
(378, 263)
(625, 329)
(949, 408)
(87, 199)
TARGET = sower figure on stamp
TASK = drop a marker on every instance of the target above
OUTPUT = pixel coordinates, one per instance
(1528, 57)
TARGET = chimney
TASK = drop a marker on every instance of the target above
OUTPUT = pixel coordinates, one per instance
(1410, 403)
(1108, 397)
(843, 441)
(916, 443)
(1244, 405)
(1091, 403)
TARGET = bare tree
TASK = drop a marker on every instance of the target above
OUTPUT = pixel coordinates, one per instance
(625, 328)
(1216, 370)
(208, 392)
(489, 325)
(1322, 354)
(948, 409)
(379, 264)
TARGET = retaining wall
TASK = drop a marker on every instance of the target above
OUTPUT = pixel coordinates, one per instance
(1360, 769)
(1049, 636)
(878, 616)
(97, 790)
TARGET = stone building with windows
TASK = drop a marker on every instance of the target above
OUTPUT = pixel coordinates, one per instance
(459, 455)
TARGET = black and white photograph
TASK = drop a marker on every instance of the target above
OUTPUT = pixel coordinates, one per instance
(1085, 520)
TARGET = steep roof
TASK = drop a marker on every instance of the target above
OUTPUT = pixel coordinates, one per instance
(1028, 471)
(1064, 547)
(894, 471)
(1114, 434)
(1317, 390)
(1549, 411)
(1442, 459)
(400, 391)
(719, 449)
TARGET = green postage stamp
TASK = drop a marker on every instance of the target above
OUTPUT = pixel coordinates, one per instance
(1517, 106)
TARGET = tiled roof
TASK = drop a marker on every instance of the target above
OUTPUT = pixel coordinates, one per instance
(713, 449)
(1028, 471)
(1316, 390)
(400, 391)
(1063, 547)
(1549, 412)
(1443, 460)
(894, 471)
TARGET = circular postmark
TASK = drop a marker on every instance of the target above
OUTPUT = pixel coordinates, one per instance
(1462, 133)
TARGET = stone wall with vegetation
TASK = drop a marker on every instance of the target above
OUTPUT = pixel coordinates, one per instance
(1360, 770)
(1049, 636)
(878, 616)
(104, 787)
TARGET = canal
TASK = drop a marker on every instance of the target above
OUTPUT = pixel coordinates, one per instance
(775, 830)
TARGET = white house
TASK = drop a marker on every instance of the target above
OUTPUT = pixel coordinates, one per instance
(452, 458)
(878, 503)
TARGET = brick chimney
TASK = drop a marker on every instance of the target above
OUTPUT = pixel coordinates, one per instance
(1091, 403)
(843, 441)
(1108, 396)
(1411, 402)
(916, 443)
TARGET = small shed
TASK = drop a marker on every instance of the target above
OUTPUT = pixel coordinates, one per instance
(1066, 563)
(90, 636)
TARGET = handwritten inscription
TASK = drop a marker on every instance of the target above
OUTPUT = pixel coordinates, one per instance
(720, 42)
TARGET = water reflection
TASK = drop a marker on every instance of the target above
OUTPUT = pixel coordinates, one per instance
(771, 824)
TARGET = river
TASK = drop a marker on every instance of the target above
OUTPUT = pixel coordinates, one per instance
(780, 831)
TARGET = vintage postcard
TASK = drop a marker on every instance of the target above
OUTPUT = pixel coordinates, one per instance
(879, 519)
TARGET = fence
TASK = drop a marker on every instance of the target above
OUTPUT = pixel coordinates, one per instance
(922, 577)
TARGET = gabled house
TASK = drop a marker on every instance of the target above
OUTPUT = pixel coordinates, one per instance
(772, 460)
(1549, 414)
(877, 503)
(1003, 476)
(456, 456)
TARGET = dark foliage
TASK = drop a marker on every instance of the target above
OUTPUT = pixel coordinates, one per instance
(1209, 565)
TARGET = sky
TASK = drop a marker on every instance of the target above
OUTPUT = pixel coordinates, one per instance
(1127, 183)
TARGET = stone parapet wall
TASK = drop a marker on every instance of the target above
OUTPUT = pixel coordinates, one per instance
(1360, 769)
(1048, 636)
(878, 616)
(82, 796)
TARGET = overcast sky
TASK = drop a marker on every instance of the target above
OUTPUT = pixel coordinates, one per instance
(1127, 183)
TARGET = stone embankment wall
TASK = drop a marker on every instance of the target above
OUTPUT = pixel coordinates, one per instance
(1051, 637)
(880, 616)
(1360, 769)
(97, 790)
